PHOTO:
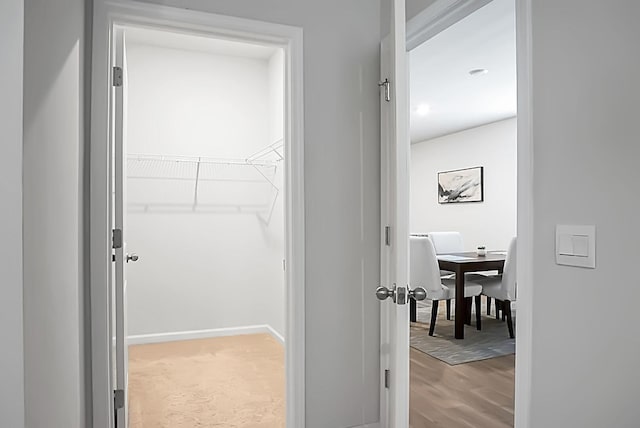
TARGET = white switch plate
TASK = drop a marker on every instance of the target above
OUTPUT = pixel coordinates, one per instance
(576, 245)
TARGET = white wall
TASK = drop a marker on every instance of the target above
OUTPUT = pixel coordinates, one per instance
(11, 356)
(585, 154)
(215, 267)
(491, 223)
(53, 139)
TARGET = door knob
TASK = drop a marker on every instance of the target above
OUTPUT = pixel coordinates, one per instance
(132, 257)
(418, 293)
(382, 293)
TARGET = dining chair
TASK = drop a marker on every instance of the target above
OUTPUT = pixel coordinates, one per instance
(503, 287)
(424, 272)
(447, 242)
(452, 242)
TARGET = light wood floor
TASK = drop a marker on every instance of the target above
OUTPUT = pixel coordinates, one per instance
(473, 395)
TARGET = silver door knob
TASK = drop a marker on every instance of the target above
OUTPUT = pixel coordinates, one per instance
(382, 293)
(418, 293)
(132, 257)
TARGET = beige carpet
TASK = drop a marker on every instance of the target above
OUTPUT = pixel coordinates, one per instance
(235, 381)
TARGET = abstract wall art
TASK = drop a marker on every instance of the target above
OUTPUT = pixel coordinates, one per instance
(461, 185)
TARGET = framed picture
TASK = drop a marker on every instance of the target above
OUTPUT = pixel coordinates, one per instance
(461, 185)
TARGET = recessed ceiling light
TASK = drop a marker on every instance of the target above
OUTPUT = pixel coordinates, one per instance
(478, 71)
(423, 109)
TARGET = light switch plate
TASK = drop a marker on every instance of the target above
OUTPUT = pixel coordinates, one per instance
(576, 245)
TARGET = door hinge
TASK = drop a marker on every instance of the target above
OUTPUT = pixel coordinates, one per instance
(387, 236)
(116, 240)
(118, 399)
(387, 89)
(117, 76)
(387, 378)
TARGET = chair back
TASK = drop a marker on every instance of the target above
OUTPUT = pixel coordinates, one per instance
(447, 242)
(423, 268)
(509, 272)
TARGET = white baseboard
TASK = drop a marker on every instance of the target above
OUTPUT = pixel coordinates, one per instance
(276, 335)
(143, 339)
(373, 425)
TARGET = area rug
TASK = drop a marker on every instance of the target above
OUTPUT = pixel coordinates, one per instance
(490, 342)
(229, 382)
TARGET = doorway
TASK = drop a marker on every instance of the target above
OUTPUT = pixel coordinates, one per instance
(183, 188)
(205, 218)
(463, 196)
(395, 199)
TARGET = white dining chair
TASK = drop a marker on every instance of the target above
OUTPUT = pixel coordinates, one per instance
(503, 287)
(447, 242)
(452, 242)
(424, 272)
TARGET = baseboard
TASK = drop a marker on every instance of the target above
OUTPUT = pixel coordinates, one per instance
(143, 339)
(373, 425)
(275, 334)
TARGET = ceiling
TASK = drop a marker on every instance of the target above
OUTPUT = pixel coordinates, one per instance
(440, 79)
(193, 42)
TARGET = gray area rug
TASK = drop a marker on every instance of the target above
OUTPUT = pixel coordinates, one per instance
(490, 342)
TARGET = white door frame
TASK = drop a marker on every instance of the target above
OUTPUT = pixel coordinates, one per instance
(108, 14)
(435, 18)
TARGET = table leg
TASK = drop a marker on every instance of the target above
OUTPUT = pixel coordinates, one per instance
(461, 311)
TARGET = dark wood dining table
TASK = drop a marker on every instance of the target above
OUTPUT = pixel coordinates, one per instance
(461, 263)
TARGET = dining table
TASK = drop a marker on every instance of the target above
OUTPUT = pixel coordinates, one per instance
(460, 264)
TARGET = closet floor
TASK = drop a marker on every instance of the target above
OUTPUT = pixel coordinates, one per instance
(235, 381)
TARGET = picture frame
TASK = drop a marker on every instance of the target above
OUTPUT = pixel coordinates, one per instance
(461, 185)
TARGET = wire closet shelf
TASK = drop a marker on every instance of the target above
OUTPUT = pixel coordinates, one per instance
(201, 169)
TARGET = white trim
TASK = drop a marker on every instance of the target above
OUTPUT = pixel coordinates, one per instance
(394, 213)
(176, 336)
(525, 277)
(272, 331)
(295, 345)
(385, 263)
(107, 14)
(374, 425)
(437, 17)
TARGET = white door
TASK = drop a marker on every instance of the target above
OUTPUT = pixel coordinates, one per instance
(394, 273)
(119, 295)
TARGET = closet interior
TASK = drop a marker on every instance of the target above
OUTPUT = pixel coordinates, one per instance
(205, 213)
